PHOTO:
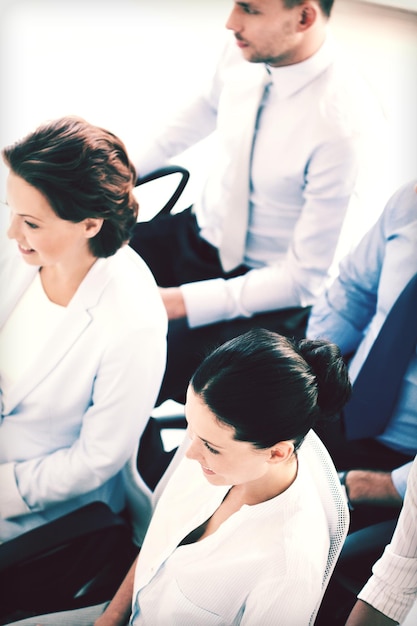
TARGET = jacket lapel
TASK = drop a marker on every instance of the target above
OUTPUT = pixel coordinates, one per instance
(15, 278)
(76, 320)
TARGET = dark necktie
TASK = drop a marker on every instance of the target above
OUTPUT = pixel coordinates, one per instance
(376, 387)
(235, 223)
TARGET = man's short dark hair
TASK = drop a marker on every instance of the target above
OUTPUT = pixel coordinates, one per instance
(325, 5)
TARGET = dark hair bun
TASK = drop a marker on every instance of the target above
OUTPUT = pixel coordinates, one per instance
(334, 388)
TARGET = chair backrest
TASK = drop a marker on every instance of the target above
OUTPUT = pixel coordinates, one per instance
(179, 454)
(141, 500)
(334, 502)
(138, 500)
(159, 174)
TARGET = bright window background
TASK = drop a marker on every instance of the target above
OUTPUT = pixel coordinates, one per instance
(126, 64)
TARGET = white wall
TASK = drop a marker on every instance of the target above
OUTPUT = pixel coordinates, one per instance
(383, 43)
(125, 63)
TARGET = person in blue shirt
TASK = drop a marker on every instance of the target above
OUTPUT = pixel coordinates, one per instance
(351, 313)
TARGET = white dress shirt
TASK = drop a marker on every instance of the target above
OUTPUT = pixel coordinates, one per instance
(320, 137)
(73, 417)
(263, 565)
(392, 589)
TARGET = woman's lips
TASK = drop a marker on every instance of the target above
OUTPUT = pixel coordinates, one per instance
(24, 250)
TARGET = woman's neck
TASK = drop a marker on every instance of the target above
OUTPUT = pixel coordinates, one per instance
(276, 481)
(61, 283)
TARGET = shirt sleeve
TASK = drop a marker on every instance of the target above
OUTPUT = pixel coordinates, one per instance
(392, 588)
(344, 310)
(125, 391)
(399, 477)
(191, 124)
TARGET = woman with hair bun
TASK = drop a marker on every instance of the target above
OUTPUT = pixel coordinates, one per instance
(82, 325)
(240, 534)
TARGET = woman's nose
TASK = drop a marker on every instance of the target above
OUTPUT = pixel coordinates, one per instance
(192, 451)
(13, 230)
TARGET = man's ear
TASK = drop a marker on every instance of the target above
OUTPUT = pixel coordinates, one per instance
(92, 226)
(281, 451)
(308, 15)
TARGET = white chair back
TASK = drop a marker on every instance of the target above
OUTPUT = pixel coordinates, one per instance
(333, 499)
(140, 499)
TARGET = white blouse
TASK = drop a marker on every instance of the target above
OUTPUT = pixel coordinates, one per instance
(26, 331)
(263, 565)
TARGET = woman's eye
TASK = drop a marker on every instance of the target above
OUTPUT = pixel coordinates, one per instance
(31, 224)
(210, 449)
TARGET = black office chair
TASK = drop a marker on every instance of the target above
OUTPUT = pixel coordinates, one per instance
(168, 170)
(76, 560)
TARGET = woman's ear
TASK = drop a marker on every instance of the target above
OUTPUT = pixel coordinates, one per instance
(282, 451)
(92, 226)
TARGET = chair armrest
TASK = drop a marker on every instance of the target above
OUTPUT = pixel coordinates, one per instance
(90, 518)
(167, 171)
(171, 421)
(77, 560)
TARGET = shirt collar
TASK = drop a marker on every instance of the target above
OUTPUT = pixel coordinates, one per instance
(291, 78)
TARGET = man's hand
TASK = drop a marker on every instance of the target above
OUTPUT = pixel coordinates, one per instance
(174, 302)
(371, 487)
(364, 614)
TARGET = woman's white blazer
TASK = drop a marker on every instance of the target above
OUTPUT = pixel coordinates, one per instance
(72, 420)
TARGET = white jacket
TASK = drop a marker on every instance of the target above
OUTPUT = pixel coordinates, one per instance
(75, 416)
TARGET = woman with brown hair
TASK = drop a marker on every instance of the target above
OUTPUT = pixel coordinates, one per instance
(82, 325)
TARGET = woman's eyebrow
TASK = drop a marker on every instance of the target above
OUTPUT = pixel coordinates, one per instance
(215, 445)
(32, 217)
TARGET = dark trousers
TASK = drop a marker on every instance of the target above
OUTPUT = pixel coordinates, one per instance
(176, 254)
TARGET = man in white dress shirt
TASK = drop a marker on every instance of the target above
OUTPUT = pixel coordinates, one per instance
(297, 133)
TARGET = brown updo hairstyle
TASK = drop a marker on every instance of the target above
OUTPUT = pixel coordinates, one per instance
(270, 388)
(83, 171)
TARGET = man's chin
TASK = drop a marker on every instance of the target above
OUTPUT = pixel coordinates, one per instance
(249, 56)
